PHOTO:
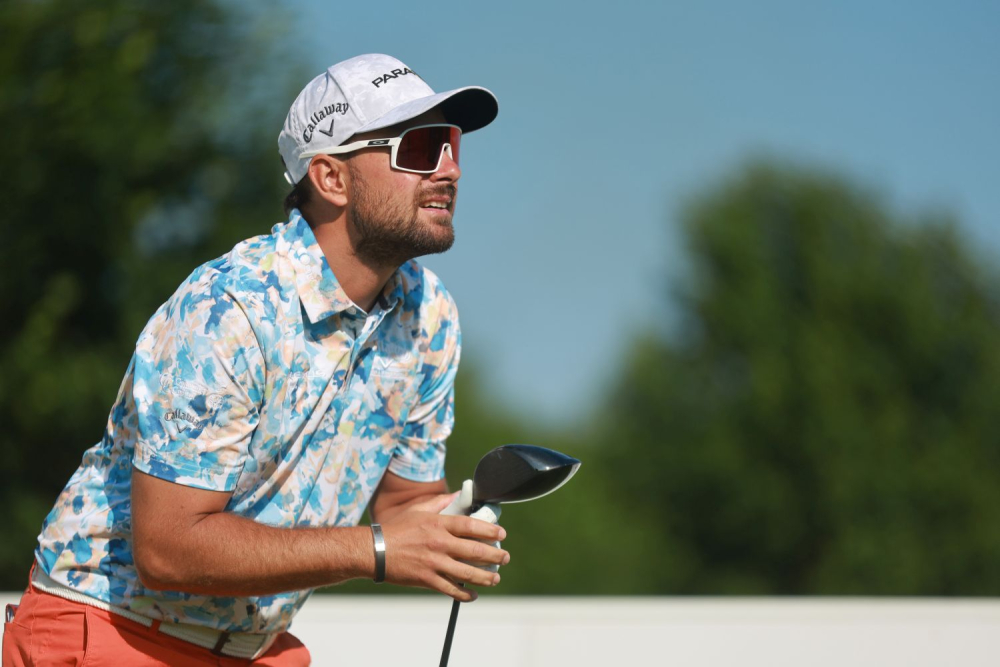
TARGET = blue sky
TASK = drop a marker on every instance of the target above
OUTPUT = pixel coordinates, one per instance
(613, 114)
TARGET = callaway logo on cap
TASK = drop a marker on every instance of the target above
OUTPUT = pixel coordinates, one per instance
(367, 93)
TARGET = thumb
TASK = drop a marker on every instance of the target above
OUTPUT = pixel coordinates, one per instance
(437, 503)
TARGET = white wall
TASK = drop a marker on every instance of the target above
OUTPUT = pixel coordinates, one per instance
(531, 632)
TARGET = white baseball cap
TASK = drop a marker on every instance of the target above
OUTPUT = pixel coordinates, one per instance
(367, 93)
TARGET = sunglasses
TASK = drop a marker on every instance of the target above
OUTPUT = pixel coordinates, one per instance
(418, 149)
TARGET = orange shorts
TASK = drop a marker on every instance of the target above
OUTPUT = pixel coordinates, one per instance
(50, 630)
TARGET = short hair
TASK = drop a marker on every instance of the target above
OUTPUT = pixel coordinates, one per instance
(299, 196)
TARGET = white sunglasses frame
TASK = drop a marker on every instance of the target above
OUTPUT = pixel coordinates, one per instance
(391, 141)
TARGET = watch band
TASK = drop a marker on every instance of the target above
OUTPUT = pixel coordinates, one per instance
(379, 553)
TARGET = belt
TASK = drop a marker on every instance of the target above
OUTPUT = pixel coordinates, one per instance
(233, 644)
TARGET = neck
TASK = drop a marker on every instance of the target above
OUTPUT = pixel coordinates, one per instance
(362, 281)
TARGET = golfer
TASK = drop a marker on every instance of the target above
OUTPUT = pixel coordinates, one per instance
(283, 389)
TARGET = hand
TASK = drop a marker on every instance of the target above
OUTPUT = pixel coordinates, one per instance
(427, 549)
(462, 505)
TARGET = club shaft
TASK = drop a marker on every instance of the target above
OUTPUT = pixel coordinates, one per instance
(446, 652)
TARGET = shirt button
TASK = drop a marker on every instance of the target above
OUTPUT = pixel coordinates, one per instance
(305, 259)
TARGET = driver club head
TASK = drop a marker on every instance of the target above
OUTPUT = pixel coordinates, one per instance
(518, 473)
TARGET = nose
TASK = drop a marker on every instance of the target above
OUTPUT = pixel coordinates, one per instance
(448, 169)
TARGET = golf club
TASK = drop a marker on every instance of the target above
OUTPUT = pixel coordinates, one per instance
(513, 474)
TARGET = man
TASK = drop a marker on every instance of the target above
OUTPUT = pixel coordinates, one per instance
(278, 392)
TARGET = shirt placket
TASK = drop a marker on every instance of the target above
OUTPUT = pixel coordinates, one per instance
(357, 346)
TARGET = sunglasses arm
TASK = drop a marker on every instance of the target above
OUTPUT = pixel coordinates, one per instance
(356, 146)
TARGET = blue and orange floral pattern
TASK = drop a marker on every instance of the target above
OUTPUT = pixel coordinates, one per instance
(259, 377)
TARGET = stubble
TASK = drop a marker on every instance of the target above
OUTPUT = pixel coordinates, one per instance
(389, 230)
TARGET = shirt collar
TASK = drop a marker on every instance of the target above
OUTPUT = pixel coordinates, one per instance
(392, 292)
(317, 286)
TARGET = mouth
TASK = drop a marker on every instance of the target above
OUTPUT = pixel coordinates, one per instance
(438, 206)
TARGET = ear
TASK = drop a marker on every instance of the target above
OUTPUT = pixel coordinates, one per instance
(329, 179)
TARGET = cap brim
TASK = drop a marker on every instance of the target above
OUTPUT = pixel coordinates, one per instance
(471, 108)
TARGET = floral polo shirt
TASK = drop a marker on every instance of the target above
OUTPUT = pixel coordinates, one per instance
(260, 377)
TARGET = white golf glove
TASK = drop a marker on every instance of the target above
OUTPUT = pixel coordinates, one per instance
(461, 505)
(489, 513)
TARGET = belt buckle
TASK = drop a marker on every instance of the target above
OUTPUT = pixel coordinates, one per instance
(221, 643)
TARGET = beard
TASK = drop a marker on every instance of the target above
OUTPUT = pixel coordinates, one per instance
(388, 229)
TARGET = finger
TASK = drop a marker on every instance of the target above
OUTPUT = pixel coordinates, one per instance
(489, 568)
(463, 526)
(494, 567)
(476, 552)
(469, 574)
(453, 590)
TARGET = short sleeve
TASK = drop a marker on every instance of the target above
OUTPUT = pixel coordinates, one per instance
(420, 453)
(197, 388)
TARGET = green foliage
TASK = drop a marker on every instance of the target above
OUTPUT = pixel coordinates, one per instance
(126, 164)
(824, 422)
(827, 421)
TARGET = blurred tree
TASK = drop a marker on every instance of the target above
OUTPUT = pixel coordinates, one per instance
(827, 421)
(136, 146)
